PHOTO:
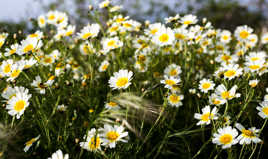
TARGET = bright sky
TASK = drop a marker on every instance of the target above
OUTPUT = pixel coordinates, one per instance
(15, 10)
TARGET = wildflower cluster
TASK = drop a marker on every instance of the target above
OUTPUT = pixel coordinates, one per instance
(59, 83)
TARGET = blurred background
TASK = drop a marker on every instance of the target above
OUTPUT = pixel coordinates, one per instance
(15, 14)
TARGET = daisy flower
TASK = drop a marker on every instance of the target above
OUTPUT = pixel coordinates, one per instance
(172, 70)
(153, 29)
(263, 109)
(121, 79)
(41, 21)
(165, 36)
(248, 135)
(188, 19)
(89, 31)
(256, 56)
(12, 50)
(29, 45)
(17, 104)
(207, 115)
(104, 4)
(242, 32)
(15, 71)
(61, 108)
(87, 48)
(214, 99)
(170, 81)
(29, 143)
(225, 36)
(264, 38)
(254, 66)
(59, 155)
(253, 83)
(232, 71)
(175, 99)
(39, 86)
(205, 85)
(111, 43)
(6, 67)
(93, 141)
(113, 134)
(222, 92)
(225, 137)
(111, 105)
(104, 65)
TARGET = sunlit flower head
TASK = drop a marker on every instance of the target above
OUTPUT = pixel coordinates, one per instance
(29, 143)
(205, 85)
(253, 83)
(170, 81)
(263, 109)
(207, 115)
(165, 36)
(188, 19)
(113, 134)
(225, 137)
(121, 79)
(93, 141)
(175, 99)
(104, 66)
(172, 70)
(248, 135)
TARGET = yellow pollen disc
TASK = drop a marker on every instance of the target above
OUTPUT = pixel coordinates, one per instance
(225, 95)
(206, 85)
(15, 73)
(127, 25)
(113, 29)
(121, 82)
(153, 31)
(254, 67)
(225, 37)
(111, 43)
(247, 133)
(170, 82)
(216, 102)
(226, 139)
(255, 59)
(112, 104)
(48, 60)
(7, 68)
(244, 34)
(112, 136)
(229, 73)
(30, 142)
(68, 33)
(205, 117)
(19, 105)
(94, 143)
(265, 110)
(51, 17)
(33, 35)
(179, 36)
(86, 35)
(187, 22)
(163, 38)
(28, 48)
(174, 98)
(142, 58)
(173, 72)
(42, 21)
(226, 58)
(104, 67)
(12, 51)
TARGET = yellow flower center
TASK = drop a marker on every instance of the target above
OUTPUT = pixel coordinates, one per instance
(179, 36)
(121, 82)
(206, 85)
(94, 143)
(229, 73)
(226, 139)
(51, 17)
(33, 35)
(68, 33)
(113, 29)
(19, 105)
(216, 102)
(255, 58)
(247, 133)
(15, 73)
(111, 43)
(187, 22)
(127, 25)
(86, 35)
(225, 95)
(226, 58)
(30, 142)
(206, 117)
(254, 67)
(163, 38)
(170, 82)
(104, 67)
(225, 37)
(12, 51)
(265, 110)
(174, 98)
(153, 31)
(112, 136)
(7, 68)
(42, 20)
(28, 48)
(112, 104)
(244, 34)
(173, 72)
(48, 60)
